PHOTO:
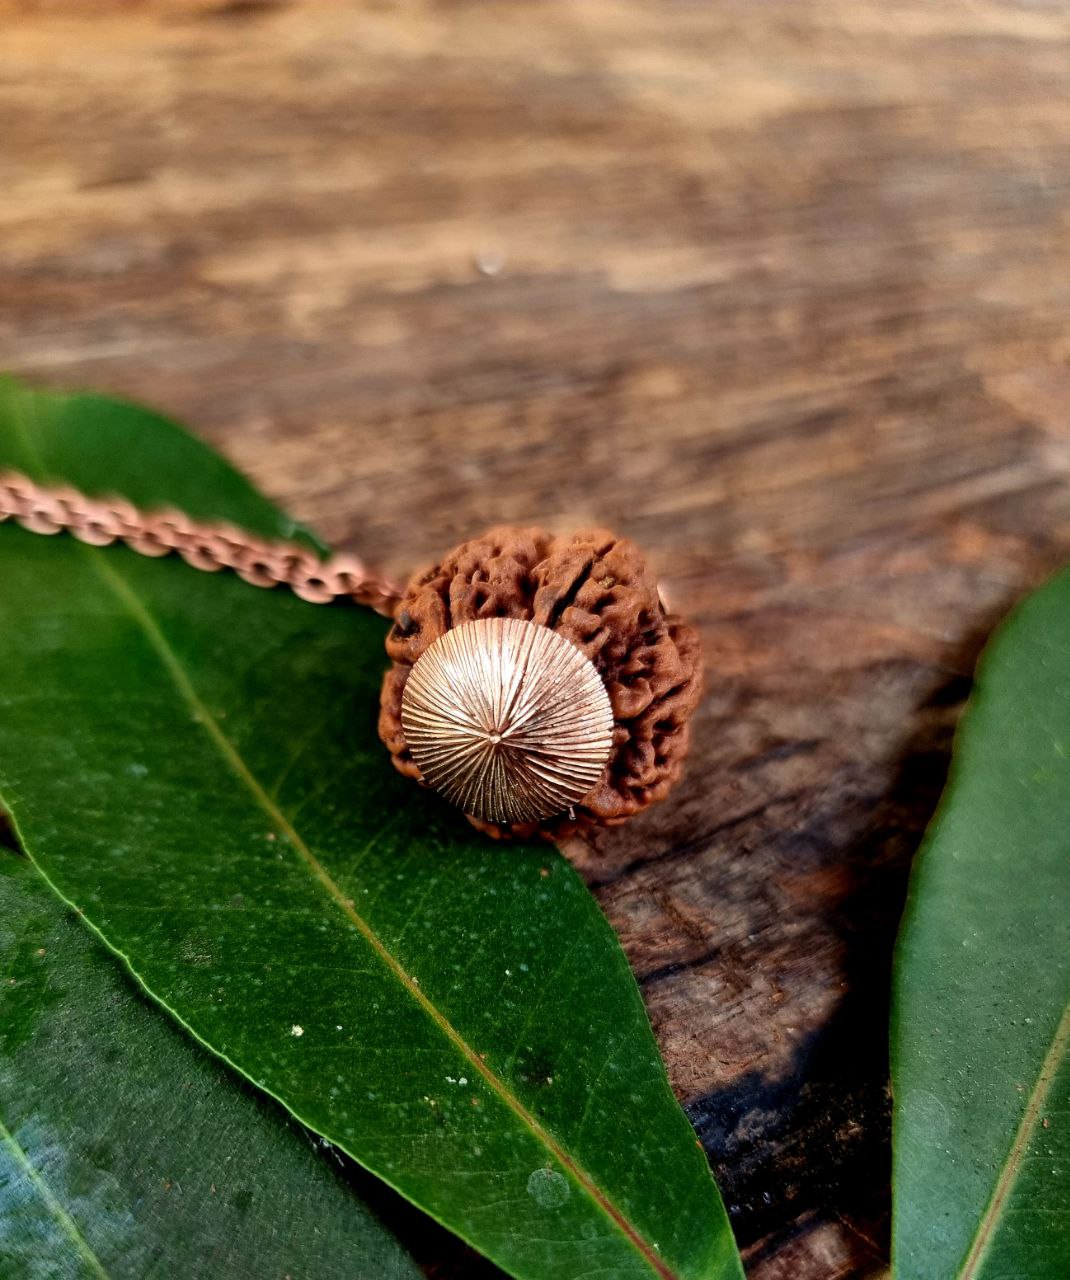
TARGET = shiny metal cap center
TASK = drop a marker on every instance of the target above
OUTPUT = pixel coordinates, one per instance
(507, 719)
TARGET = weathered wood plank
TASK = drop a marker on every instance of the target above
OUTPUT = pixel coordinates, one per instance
(781, 290)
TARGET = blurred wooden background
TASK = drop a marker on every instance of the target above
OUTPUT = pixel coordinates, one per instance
(781, 289)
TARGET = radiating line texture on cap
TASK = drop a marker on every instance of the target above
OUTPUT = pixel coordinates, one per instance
(507, 719)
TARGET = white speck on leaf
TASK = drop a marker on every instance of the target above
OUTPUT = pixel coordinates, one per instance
(548, 1188)
(295, 1030)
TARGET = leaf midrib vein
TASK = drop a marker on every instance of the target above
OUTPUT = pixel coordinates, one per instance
(158, 641)
(57, 1210)
(1027, 1126)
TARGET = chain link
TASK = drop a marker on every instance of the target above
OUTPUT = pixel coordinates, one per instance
(208, 547)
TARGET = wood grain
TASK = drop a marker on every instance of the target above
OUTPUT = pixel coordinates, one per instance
(780, 290)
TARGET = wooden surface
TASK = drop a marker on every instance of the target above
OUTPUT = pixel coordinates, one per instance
(782, 290)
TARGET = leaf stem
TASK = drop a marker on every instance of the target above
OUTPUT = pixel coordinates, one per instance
(1037, 1097)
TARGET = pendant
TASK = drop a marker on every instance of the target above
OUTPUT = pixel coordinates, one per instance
(537, 682)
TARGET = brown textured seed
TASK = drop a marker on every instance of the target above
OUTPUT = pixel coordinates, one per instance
(592, 589)
(508, 720)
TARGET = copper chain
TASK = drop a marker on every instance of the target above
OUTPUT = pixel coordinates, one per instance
(206, 546)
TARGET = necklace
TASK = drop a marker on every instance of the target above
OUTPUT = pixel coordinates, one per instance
(537, 682)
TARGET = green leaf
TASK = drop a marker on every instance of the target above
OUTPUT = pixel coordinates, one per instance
(981, 1023)
(193, 763)
(126, 1151)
